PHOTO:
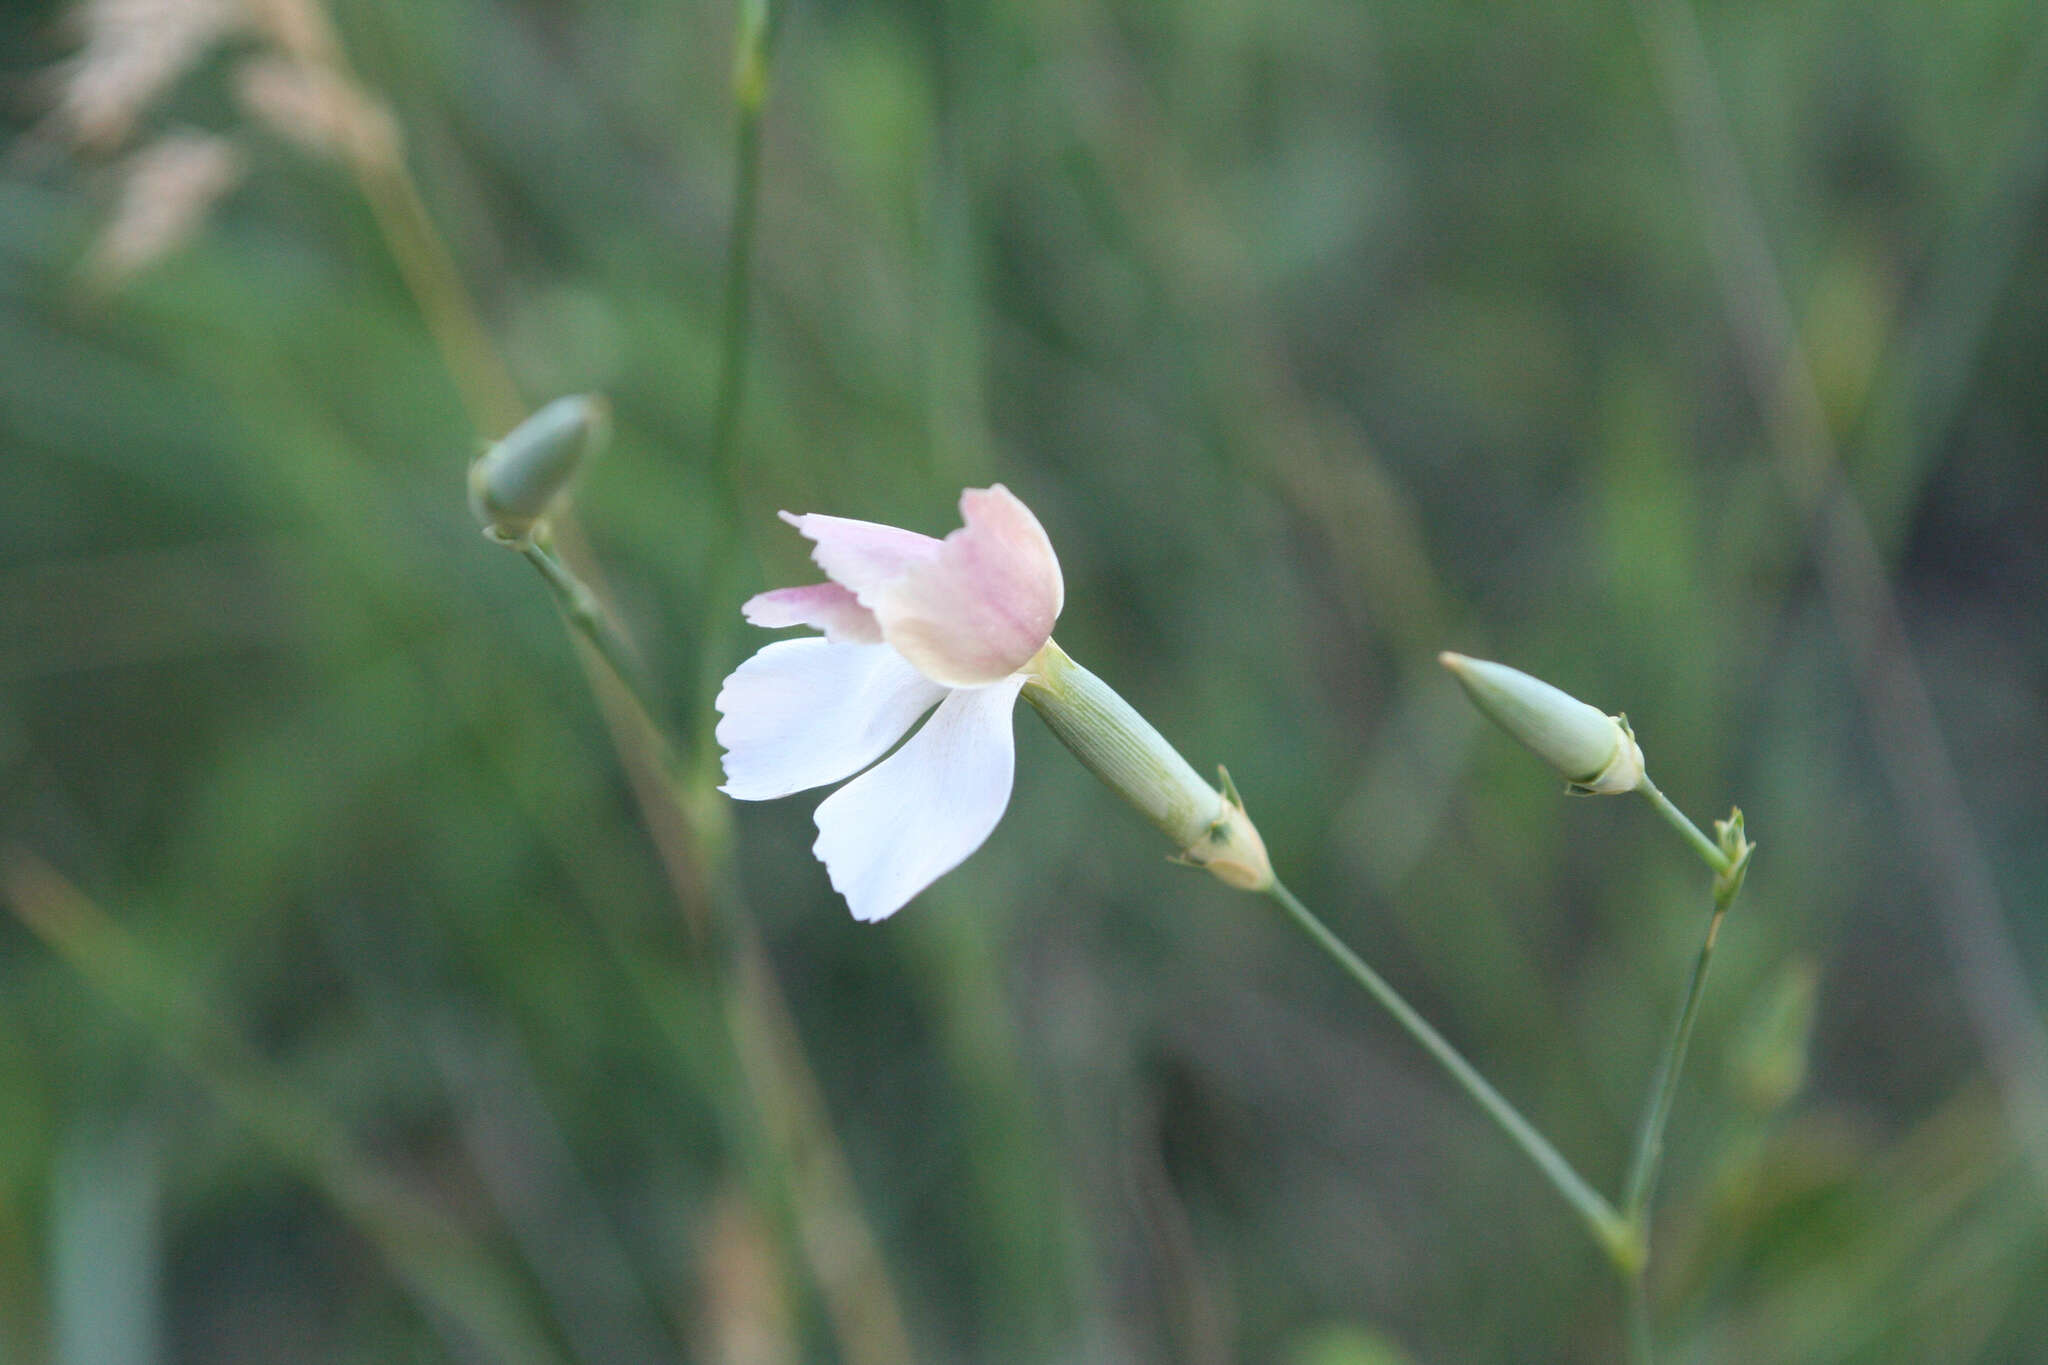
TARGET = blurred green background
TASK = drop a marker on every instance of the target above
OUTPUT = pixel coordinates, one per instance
(349, 1013)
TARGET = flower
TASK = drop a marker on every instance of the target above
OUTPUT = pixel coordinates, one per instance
(911, 624)
(962, 624)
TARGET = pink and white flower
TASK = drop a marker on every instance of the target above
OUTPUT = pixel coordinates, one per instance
(909, 624)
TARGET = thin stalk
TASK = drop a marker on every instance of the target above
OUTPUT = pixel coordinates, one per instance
(1642, 1172)
(1678, 820)
(1729, 856)
(753, 49)
(1614, 1234)
(371, 144)
(586, 616)
(489, 392)
(1642, 1335)
(794, 1137)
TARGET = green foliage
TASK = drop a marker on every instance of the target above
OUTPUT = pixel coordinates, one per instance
(1321, 338)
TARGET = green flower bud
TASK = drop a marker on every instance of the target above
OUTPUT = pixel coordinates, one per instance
(1120, 746)
(1597, 753)
(518, 482)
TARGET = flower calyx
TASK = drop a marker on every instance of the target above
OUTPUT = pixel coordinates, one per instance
(1736, 847)
(1231, 849)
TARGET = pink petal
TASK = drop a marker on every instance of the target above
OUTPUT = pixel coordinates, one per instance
(862, 556)
(802, 713)
(977, 610)
(900, 826)
(822, 606)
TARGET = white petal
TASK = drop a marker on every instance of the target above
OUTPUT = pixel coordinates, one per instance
(802, 713)
(894, 830)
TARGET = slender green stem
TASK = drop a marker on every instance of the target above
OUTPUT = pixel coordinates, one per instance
(753, 49)
(1678, 820)
(1642, 1335)
(1614, 1235)
(1729, 856)
(587, 617)
(1642, 1172)
(789, 1138)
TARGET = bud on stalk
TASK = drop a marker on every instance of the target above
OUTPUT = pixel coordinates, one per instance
(517, 483)
(1597, 753)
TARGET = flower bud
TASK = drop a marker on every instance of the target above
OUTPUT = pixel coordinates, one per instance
(1122, 748)
(1736, 847)
(515, 484)
(1596, 753)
